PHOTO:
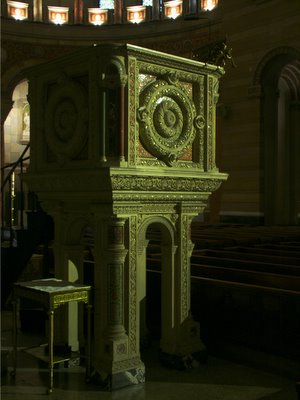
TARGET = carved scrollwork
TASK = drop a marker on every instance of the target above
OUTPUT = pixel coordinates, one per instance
(66, 119)
(199, 121)
(166, 116)
(151, 183)
(171, 77)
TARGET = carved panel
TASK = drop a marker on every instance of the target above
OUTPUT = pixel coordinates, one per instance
(163, 183)
(66, 118)
(59, 299)
(184, 267)
(115, 294)
(166, 115)
(132, 105)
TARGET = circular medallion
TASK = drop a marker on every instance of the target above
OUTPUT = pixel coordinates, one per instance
(66, 119)
(166, 116)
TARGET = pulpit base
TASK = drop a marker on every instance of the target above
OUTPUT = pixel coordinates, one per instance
(118, 380)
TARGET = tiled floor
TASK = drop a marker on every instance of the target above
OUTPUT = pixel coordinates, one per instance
(219, 379)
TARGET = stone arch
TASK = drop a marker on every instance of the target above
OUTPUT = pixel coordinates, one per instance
(282, 55)
(115, 69)
(278, 74)
(10, 79)
(16, 127)
(69, 265)
(168, 280)
(75, 230)
(78, 240)
(158, 220)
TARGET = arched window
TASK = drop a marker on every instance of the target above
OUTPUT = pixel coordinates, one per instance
(17, 124)
(107, 4)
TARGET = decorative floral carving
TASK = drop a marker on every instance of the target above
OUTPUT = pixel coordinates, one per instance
(171, 77)
(210, 126)
(59, 299)
(199, 121)
(166, 116)
(163, 183)
(159, 197)
(128, 364)
(132, 100)
(184, 266)
(121, 349)
(132, 284)
(115, 294)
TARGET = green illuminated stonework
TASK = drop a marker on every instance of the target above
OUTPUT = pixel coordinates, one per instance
(122, 138)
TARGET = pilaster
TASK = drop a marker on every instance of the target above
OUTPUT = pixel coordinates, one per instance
(186, 346)
(114, 365)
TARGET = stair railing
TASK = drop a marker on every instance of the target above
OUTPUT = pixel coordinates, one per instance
(8, 210)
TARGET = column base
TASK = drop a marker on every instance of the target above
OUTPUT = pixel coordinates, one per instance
(117, 380)
(183, 362)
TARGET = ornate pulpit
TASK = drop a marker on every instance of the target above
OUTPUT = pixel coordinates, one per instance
(123, 138)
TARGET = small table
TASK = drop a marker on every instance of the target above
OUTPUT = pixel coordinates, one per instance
(52, 293)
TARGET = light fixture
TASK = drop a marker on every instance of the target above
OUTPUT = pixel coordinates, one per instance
(173, 9)
(136, 14)
(97, 16)
(208, 5)
(58, 15)
(17, 10)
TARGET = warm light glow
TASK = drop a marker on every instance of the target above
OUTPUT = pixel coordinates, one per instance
(173, 9)
(17, 10)
(97, 16)
(58, 15)
(208, 5)
(136, 14)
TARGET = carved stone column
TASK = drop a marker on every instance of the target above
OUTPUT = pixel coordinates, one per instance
(114, 367)
(75, 315)
(212, 99)
(141, 290)
(184, 346)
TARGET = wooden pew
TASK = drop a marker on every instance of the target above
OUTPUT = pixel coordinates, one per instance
(281, 246)
(217, 260)
(262, 250)
(270, 280)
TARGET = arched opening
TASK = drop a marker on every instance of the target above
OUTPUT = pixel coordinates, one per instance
(75, 264)
(280, 79)
(153, 282)
(15, 159)
(157, 304)
(17, 124)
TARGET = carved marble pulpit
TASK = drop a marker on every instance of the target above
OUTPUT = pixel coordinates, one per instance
(123, 138)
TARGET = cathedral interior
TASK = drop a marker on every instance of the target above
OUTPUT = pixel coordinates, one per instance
(150, 199)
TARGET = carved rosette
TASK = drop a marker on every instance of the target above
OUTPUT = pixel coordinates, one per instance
(66, 119)
(167, 116)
